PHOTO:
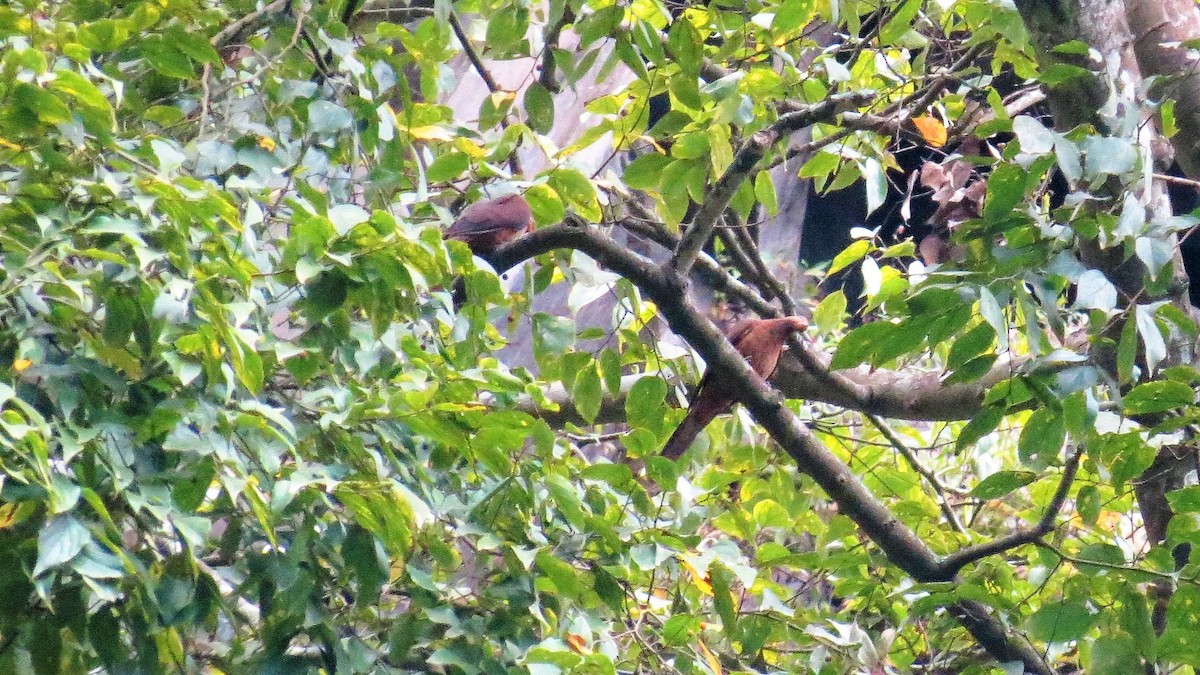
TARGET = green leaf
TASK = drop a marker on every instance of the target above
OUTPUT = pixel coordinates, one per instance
(722, 582)
(447, 167)
(250, 370)
(1061, 622)
(900, 21)
(1005, 190)
(588, 394)
(972, 370)
(610, 370)
(382, 511)
(616, 475)
(59, 541)
(792, 15)
(830, 313)
(1095, 292)
(119, 315)
(195, 45)
(567, 500)
(567, 580)
(190, 490)
(1001, 483)
(970, 345)
(326, 117)
(684, 43)
(1185, 500)
(545, 203)
(105, 35)
(764, 192)
(1115, 654)
(1166, 112)
(552, 335)
(850, 255)
(861, 344)
(983, 423)
(577, 190)
(326, 293)
(646, 172)
(1087, 503)
(46, 647)
(167, 58)
(1108, 155)
(539, 108)
(1042, 437)
(644, 404)
(1157, 397)
(1127, 351)
(43, 105)
(679, 629)
(506, 27)
(81, 89)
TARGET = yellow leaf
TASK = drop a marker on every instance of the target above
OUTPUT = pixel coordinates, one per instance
(578, 643)
(266, 143)
(20, 365)
(431, 132)
(698, 578)
(5, 143)
(469, 147)
(932, 130)
(711, 658)
(499, 98)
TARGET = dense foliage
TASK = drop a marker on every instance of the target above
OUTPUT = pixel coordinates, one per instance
(249, 425)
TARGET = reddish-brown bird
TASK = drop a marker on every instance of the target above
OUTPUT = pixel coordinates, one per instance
(486, 226)
(761, 341)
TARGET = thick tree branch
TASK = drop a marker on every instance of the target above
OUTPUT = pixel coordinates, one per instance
(901, 545)
(885, 393)
(229, 32)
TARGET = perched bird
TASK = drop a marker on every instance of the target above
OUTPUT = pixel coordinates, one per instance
(761, 341)
(486, 226)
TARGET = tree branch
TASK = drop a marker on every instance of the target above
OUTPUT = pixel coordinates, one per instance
(885, 393)
(481, 69)
(668, 290)
(711, 272)
(744, 162)
(954, 562)
(228, 32)
(907, 453)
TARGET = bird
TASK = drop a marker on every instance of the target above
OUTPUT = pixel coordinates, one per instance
(761, 342)
(487, 225)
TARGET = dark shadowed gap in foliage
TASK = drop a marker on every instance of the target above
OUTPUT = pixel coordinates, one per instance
(1186, 199)
(831, 216)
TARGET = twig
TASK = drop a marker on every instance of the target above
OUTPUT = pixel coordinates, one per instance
(459, 32)
(743, 164)
(549, 75)
(710, 271)
(1166, 178)
(769, 281)
(954, 562)
(1167, 576)
(907, 454)
(901, 545)
(741, 259)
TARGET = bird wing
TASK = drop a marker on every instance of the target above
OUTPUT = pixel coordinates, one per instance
(492, 216)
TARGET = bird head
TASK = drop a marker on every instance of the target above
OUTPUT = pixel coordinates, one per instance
(795, 324)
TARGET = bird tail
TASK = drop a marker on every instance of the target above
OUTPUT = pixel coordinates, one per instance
(697, 418)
